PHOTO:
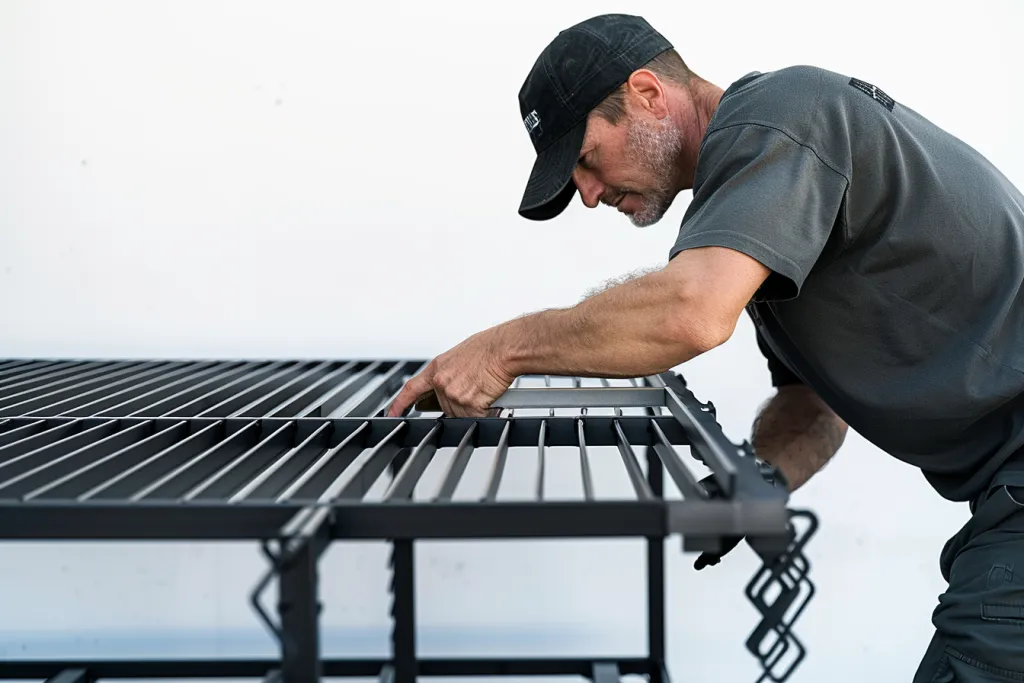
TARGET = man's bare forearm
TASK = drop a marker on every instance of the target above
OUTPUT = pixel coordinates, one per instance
(641, 327)
(798, 433)
(644, 326)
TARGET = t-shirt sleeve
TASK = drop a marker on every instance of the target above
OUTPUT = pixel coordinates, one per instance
(762, 193)
(780, 374)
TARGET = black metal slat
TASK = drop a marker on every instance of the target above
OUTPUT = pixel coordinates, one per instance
(388, 384)
(293, 406)
(585, 473)
(117, 404)
(233, 476)
(159, 405)
(405, 481)
(286, 478)
(193, 471)
(314, 483)
(13, 367)
(48, 404)
(196, 405)
(21, 375)
(99, 470)
(270, 480)
(36, 382)
(234, 404)
(94, 406)
(260, 406)
(500, 456)
(52, 383)
(40, 467)
(457, 465)
(150, 470)
(336, 397)
(636, 476)
(377, 461)
(378, 384)
(267, 468)
(599, 430)
(27, 438)
(681, 475)
(539, 488)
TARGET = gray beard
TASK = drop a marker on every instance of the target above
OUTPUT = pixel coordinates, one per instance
(655, 146)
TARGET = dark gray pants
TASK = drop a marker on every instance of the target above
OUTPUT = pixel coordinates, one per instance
(979, 622)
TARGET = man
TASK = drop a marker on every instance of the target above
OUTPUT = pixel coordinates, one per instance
(880, 258)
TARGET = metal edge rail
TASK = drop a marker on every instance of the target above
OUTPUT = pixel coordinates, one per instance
(75, 671)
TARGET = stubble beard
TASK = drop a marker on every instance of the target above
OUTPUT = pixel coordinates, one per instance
(655, 147)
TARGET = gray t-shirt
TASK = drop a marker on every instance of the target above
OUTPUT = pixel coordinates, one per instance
(897, 259)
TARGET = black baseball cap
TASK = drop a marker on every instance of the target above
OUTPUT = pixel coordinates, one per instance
(576, 71)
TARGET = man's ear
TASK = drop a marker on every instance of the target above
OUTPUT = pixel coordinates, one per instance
(647, 92)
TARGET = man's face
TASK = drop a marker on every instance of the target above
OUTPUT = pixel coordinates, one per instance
(632, 165)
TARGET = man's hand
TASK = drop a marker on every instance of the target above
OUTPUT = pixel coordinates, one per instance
(465, 379)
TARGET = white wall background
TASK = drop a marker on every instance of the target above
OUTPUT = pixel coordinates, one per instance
(340, 180)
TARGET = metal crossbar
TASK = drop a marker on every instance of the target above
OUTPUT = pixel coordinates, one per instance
(297, 455)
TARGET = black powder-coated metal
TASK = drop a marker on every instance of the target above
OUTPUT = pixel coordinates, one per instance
(655, 579)
(297, 455)
(362, 668)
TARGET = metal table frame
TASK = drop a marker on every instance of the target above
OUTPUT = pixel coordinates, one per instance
(284, 453)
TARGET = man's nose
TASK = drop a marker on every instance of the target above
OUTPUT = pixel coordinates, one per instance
(590, 188)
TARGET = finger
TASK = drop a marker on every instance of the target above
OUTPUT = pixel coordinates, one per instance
(415, 389)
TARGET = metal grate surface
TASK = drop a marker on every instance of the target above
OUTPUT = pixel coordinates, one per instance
(296, 454)
(232, 449)
(288, 461)
(153, 388)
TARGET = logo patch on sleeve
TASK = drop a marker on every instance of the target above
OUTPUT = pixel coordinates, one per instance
(876, 93)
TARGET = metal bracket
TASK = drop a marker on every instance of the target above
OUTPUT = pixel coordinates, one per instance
(786, 576)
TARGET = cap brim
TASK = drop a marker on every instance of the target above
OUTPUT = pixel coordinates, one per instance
(550, 187)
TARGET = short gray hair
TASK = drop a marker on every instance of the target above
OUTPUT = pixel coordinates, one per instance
(668, 66)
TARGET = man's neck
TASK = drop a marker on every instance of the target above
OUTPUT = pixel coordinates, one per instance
(705, 98)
